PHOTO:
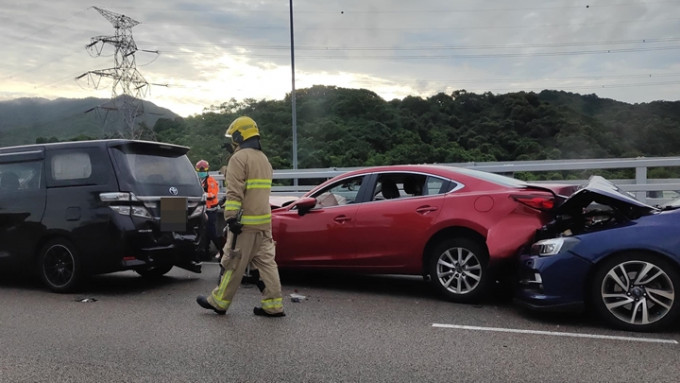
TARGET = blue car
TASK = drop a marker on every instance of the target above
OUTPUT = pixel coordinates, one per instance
(608, 253)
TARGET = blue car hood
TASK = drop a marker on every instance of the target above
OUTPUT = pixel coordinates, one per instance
(602, 191)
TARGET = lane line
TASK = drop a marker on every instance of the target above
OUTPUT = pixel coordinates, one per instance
(555, 333)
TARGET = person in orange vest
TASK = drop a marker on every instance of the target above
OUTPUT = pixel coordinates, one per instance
(211, 189)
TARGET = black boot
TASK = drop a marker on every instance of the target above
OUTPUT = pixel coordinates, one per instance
(259, 311)
(203, 302)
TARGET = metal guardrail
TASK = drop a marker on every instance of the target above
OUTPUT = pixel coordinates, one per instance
(652, 191)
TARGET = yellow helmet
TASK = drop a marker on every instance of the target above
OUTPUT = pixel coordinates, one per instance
(242, 129)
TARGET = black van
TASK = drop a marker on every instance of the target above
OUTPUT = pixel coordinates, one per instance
(73, 209)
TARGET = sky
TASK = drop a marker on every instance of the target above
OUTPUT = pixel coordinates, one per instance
(192, 55)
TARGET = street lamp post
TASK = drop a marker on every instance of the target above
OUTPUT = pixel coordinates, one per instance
(292, 94)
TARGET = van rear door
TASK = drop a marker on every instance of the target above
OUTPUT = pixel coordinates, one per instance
(155, 170)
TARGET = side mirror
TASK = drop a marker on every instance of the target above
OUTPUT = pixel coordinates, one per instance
(304, 205)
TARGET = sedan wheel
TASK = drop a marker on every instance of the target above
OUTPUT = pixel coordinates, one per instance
(637, 292)
(458, 269)
(59, 266)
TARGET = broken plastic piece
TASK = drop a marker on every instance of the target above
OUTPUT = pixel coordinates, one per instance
(297, 297)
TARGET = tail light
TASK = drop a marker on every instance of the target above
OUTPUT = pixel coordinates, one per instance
(535, 201)
(125, 204)
(129, 204)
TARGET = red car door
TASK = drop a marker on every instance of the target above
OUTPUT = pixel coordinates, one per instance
(391, 234)
(391, 231)
(316, 239)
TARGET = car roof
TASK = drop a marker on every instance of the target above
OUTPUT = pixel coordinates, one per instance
(443, 171)
(92, 143)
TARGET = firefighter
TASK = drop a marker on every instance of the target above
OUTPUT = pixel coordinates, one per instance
(211, 190)
(248, 216)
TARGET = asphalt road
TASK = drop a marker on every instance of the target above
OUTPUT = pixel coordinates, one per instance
(123, 328)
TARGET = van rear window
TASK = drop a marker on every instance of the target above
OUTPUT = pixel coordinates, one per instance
(77, 167)
(154, 169)
(149, 171)
(71, 166)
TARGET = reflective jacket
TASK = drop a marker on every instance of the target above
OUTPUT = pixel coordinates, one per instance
(249, 183)
(211, 188)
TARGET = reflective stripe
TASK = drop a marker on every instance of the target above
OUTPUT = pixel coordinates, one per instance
(272, 304)
(222, 305)
(257, 183)
(256, 219)
(232, 205)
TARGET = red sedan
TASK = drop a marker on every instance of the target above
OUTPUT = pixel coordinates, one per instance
(454, 226)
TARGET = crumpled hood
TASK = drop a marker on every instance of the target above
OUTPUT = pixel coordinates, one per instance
(602, 191)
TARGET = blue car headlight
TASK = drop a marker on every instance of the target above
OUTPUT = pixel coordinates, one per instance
(553, 246)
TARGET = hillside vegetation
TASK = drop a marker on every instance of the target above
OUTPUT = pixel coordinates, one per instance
(338, 127)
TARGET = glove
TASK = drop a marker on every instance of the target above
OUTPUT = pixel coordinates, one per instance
(234, 225)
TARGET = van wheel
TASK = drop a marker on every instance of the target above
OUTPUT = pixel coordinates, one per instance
(154, 271)
(59, 266)
(458, 269)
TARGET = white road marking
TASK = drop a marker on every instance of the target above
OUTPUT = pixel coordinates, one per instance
(556, 333)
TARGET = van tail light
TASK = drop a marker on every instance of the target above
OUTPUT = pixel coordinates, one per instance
(535, 201)
(117, 197)
(121, 204)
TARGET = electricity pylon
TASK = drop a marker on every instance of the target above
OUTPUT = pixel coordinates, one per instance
(129, 86)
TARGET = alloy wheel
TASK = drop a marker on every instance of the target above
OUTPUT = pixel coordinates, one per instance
(58, 265)
(459, 270)
(637, 292)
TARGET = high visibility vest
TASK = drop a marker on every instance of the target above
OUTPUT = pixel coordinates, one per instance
(211, 189)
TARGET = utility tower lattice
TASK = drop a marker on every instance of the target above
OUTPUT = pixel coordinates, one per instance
(129, 86)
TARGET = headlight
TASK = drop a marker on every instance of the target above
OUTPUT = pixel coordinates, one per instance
(553, 246)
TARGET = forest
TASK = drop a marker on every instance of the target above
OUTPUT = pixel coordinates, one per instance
(340, 127)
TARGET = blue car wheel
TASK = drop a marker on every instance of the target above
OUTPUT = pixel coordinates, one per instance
(637, 292)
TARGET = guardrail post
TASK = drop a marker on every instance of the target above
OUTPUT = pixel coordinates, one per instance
(641, 179)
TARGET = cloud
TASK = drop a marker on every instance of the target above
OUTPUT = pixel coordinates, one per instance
(210, 51)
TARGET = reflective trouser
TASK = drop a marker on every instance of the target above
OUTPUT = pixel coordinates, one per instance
(256, 247)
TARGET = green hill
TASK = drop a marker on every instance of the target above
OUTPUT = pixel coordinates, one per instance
(24, 120)
(339, 127)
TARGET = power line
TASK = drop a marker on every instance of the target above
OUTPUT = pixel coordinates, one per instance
(645, 41)
(431, 56)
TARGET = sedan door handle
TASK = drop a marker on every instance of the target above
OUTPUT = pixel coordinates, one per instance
(426, 209)
(341, 218)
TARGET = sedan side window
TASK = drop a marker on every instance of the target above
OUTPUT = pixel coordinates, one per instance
(435, 185)
(400, 185)
(340, 193)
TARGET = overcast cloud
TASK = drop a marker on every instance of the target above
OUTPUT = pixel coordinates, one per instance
(210, 51)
